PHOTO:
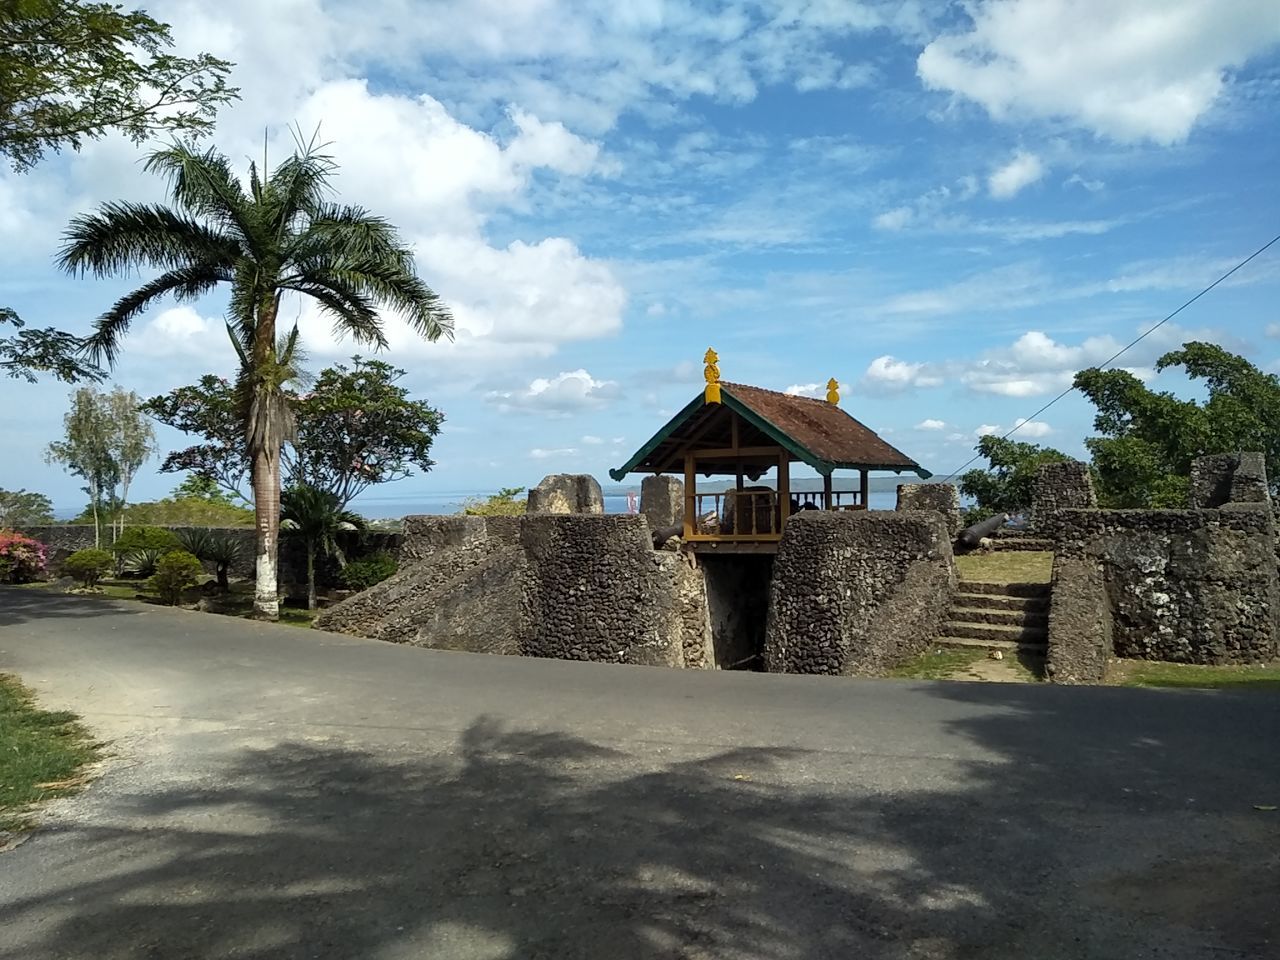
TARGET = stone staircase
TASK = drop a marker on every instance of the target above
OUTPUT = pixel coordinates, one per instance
(998, 616)
(1019, 540)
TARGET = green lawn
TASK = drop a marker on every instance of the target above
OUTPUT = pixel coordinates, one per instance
(937, 664)
(1150, 673)
(42, 754)
(1006, 566)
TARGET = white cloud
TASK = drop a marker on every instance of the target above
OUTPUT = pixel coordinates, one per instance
(806, 390)
(894, 219)
(1076, 180)
(592, 441)
(544, 453)
(931, 425)
(558, 396)
(1031, 428)
(1273, 330)
(890, 374)
(1020, 172)
(985, 429)
(1138, 70)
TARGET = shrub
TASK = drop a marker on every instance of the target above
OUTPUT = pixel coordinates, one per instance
(219, 547)
(364, 573)
(145, 538)
(175, 572)
(88, 566)
(22, 559)
(504, 503)
(139, 549)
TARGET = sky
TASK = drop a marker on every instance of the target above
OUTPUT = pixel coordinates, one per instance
(948, 207)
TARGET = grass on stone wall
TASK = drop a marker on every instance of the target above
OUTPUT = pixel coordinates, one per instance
(1006, 566)
(42, 754)
(1150, 673)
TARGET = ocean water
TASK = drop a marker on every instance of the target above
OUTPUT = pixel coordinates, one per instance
(452, 501)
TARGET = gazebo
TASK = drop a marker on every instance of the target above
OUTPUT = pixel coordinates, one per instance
(739, 431)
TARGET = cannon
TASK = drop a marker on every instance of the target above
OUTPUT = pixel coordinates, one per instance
(971, 538)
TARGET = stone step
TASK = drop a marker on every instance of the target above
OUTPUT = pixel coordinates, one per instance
(1033, 590)
(1035, 636)
(1011, 646)
(992, 601)
(1003, 544)
(1011, 618)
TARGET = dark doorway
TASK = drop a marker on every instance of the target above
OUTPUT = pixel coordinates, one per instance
(738, 604)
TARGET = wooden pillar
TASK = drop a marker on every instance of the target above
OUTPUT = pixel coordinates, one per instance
(690, 496)
(784, 489)
(826, 492)
(866, 489)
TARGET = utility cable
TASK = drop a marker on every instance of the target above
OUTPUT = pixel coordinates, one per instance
(1123, 350)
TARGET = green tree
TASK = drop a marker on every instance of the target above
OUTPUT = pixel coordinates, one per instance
(32, 352)
(316, 517)
(19, 508)
(357, 427)
(107, 441)
(1007, 485)
(208, 409)
(507, 502)
(281, 235)
(72, 71)
(1148, 439)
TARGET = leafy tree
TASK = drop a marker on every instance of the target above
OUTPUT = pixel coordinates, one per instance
(316, 517)
(504, 503)
(368, 571)
(31, 352)
(71, 71)
(207, 409)
(1007, 486)
(107, 441)
(357, 427)
(1149, 439)
(197, 487)
(280, 235)
(18, 508)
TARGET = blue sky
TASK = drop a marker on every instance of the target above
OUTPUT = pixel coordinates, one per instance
(948, 207)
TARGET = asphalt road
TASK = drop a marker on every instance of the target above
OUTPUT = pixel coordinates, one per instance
(279, 793)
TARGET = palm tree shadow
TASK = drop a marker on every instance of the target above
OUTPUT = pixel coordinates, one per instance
(522, 844)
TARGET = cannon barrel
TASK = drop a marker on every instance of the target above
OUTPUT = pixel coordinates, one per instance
(971, 537)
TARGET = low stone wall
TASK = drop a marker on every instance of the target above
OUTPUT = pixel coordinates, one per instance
(943, 497)
(857, 592)
(1060, 486)
(662, 501)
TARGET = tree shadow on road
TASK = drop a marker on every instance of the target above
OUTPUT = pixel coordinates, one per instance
(24, 604)
(518, 844)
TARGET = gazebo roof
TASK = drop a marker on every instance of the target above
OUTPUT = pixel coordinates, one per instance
(813, 431)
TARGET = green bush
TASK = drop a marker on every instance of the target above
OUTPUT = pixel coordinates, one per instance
(175, 572)
(144, 538)
(88, 566)
(364, 573)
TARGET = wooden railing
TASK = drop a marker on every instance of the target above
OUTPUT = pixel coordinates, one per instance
(753, 515)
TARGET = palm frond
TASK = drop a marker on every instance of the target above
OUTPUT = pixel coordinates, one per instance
(388, 283)
(352, 312)
(297, 188)
(187, 283)
(124, 236)
(205, 184)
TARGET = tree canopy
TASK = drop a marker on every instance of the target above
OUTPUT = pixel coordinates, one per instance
(72, 71)
(1007, 486)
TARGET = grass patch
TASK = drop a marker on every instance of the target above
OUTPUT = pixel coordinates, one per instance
(1150, 673)
(42, 754)
(1006, 566)
(938, 664)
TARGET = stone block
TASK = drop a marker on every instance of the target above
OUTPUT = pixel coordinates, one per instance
(566, 493)
(1060, 486)
(942, 497)
(662, 501)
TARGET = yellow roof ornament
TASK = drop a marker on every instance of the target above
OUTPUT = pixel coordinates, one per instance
(712, 375)
(833, 392)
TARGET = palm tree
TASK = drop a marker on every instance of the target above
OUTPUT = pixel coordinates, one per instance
(280, 235)
(317, 517)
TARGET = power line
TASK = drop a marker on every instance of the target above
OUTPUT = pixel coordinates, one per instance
(1123, 350)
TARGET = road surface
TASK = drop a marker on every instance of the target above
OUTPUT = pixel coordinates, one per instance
(281, 793)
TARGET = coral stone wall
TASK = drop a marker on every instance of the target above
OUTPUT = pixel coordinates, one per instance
(595, 593)
(857, 592)
(1060, 486)
(563, 493)
(662, 501)
(943, 497)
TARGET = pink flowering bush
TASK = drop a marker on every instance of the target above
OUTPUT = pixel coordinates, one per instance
(22, 559)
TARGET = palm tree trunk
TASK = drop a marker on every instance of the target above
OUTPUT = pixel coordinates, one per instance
(311, 574)
(266, 472)
(266, 509)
